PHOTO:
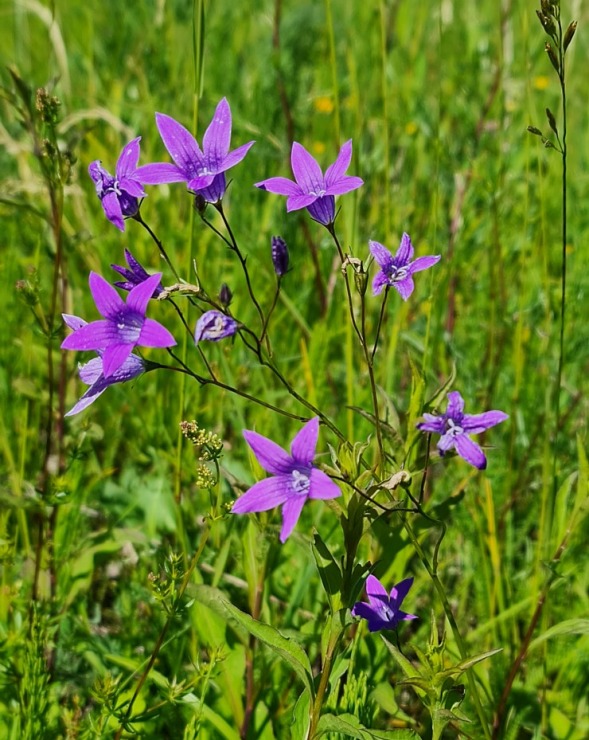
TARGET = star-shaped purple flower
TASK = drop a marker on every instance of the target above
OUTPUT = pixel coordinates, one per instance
(124, 327)
(134, 274)
(214, 326)
(294, 478)
(119, 194)
(383, 610)
(398, 270)
(203, 171)
(92, 372)
(455, 426)
(312, 190)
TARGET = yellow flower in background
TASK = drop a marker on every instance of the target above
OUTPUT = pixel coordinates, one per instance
(411, 128)
(323, 104)
(541, 82)
(318, 147)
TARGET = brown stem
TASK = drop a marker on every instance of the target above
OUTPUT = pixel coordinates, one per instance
(250, 685)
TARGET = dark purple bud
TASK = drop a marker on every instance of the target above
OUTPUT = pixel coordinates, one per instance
(225, 295)
(279, 256)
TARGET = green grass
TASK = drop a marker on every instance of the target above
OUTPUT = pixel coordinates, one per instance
(437, 96)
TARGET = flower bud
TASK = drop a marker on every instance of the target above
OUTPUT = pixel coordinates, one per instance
(225, 295)
(569, 33)
(552, 56)
(280, 257)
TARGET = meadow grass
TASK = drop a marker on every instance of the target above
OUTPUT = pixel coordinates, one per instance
(436, 96)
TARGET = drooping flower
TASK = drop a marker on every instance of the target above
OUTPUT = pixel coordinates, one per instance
(124, 327)
(92, 372)
(455, 426)
(279, 256)
(312, 190)
(383, 610)
(134, 274)
(398, 270)
(214, 326)
(203, 171)
(294, 478)
(119, 194)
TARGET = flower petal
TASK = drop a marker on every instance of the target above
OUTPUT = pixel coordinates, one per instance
(141, 294)
(303, 446)
(375, 623)
(344, 185)
(337, 170)
(108, 302)
(235, 157)
(93, 336)
(405, 252)
(291, 511)
(470, 451)
(270, 456)
(128, 159)
(399, 591)
(376, 592)
(322, 487)
(405, 287)
(159, 173)
(477, 423)
(73, 322)
(217, 137)
(455, 405)
(91, 371)
(132, 186)
(296, 202)
(264, 495)
(433, 424)
(446, 443)
(422, 263)
(112, 209)
(382, 256)
(201, 182)
(153, 334)
(181, 144)
(86, 399)
(114, 357)
(306, 170)
(379, 282)
(280, 186)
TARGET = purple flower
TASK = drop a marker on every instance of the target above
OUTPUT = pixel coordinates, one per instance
(119, 194)
(92, 372)
(398, 270)
(383, 611)
(214, 326)
(455, 426)
(124, 327)
(203, 171)
(279, 256)
(294, 478)
(312, 190)
(135, 274)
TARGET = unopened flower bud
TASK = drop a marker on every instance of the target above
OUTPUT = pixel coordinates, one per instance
(552, 56)
(569, 33)
(225, 295)
(279, 256)
(200, 204)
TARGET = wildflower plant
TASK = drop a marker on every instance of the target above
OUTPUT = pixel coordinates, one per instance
(381, 493)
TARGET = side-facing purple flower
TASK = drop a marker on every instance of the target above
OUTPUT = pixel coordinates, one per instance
(214, 326)
(92, 372)
(312, 190)
(203, 171)
(397, 270)
(279, 256)
(119, 194)
(455, 426)
(124, 327)
(294, 478)
(134, 274)
(383, 610)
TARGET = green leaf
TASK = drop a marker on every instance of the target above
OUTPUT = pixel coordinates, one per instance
(329, 570)
(405, 664)
(464, 665)
(289, 650)
(348, 724)
(301, 716)
(568, 627)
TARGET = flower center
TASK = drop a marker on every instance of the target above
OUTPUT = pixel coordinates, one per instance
(128, 325)
(319, 193)
(453, 429)
(300, 482)
(397, 274)
(203, 171)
